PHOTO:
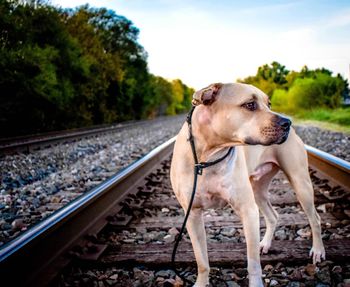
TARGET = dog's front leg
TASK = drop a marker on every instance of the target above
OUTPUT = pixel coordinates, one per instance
(196, 230)
(249, 214)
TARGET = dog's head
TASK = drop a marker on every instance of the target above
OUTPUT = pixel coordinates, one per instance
(245, 112)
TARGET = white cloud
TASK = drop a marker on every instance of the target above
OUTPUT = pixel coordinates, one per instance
(340, 19)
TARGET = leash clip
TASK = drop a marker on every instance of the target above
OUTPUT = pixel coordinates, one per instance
(199, 168)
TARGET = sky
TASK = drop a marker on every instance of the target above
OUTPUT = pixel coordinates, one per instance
(202, 41)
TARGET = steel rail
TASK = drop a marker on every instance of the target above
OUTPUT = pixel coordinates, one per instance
(29, 143)
(330, 166)
(36, 253)
(33, 142)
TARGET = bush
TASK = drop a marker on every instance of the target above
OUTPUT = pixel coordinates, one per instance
(322, 90)
(280, 100)
(304, 94)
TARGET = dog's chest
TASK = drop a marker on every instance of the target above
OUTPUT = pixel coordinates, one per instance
(215, 187)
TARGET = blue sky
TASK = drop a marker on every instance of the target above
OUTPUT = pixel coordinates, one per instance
(202, 42)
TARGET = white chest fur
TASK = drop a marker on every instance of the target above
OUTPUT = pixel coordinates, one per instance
(217, 185)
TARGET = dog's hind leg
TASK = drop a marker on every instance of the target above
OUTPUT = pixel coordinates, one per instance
(297, 172)
(260, 187)
(196, 231)
(303, 187)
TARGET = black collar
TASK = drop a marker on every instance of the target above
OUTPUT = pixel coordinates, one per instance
(199, 166)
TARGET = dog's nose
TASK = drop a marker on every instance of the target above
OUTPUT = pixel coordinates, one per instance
(284, 123)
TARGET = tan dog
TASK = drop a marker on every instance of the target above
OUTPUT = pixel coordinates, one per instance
(239, 115)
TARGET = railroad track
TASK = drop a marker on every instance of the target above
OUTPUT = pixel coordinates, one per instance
(121, 233)
(38, 141)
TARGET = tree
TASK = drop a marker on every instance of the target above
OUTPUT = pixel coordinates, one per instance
(36, 51)
(268, 77)
(275, 73)
(63, 68)
(160, 98)
(311, 89)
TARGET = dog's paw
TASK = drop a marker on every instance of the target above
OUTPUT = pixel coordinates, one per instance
(317, 254)
(201, 282)
(264, 246)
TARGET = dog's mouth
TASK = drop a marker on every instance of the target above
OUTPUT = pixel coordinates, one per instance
(278, 131)
(282, 137)
(275, 134)
(270, 136)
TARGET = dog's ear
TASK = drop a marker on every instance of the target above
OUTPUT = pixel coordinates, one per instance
(206, 96)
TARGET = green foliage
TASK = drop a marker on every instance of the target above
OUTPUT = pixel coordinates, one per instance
(280, 99)
(268, 78)
(305, 90)
(181, 97)
(275, 73)
(304, 93)
(33, 44)
(320, 90)
(340, 116)
(64, 68)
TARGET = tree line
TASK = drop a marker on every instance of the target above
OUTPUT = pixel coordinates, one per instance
(307, 89)
(67, 68)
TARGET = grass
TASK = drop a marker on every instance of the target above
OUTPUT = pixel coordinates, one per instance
(337, 119)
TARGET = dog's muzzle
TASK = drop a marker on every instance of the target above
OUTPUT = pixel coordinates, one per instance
(275, 133)
(283, 125)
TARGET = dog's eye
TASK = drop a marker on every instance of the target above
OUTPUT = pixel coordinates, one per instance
(251, 106)
(269, 104)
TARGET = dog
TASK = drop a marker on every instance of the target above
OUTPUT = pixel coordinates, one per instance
(239, 115)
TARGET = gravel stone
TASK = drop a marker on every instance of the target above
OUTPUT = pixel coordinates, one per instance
(335, 143)
(305, 232)
(48, 179)
(311, 269)
(268, 267)
(232, 284)
(165, 274)
(280, 234)
(169, 238)
(228, 231)
(173, 231)
(324, 276)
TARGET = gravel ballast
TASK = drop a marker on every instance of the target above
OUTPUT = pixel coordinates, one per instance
(34, 185)
(335, 143)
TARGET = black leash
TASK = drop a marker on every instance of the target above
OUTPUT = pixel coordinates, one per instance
(198, 170)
